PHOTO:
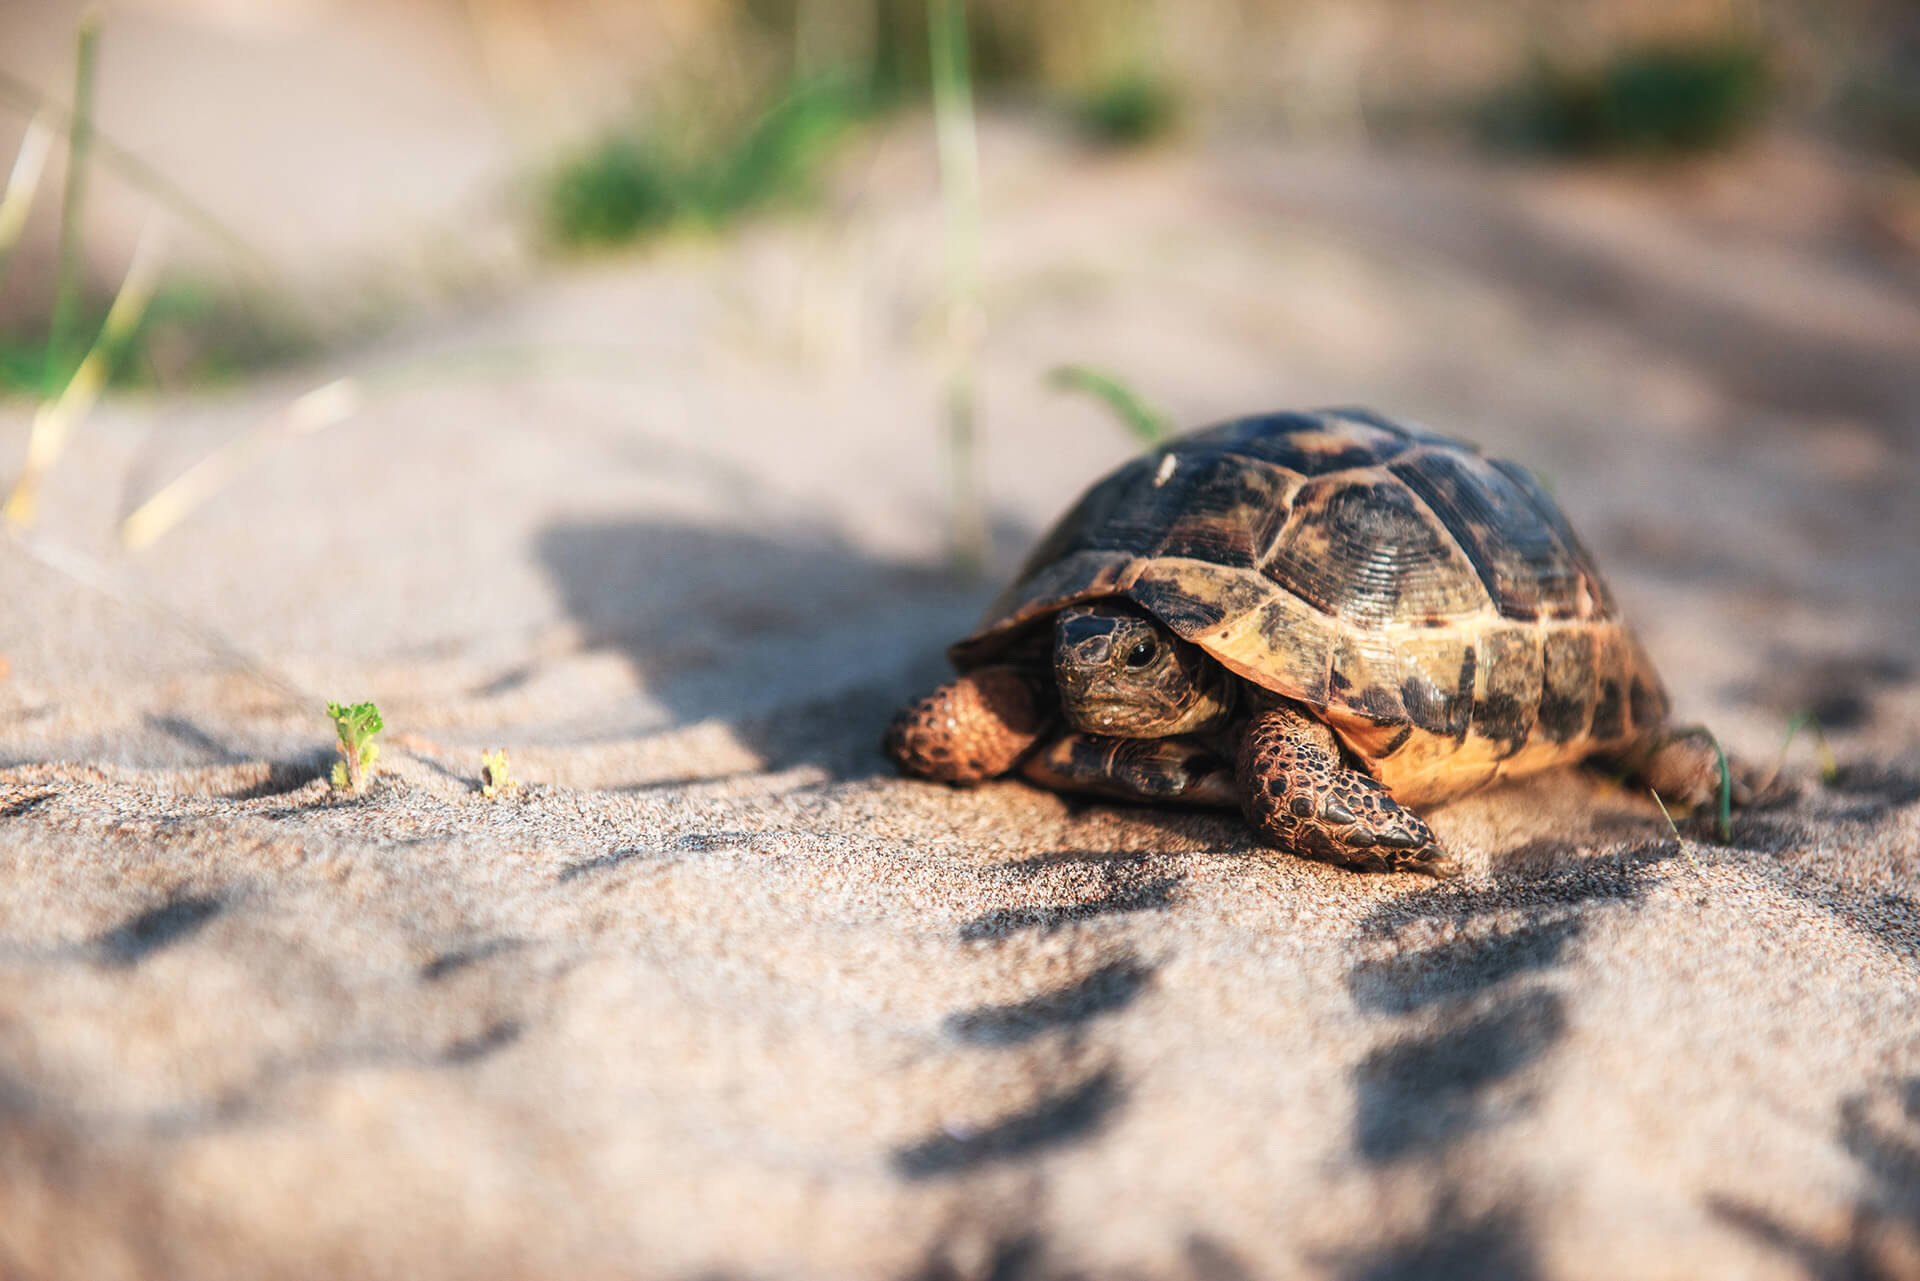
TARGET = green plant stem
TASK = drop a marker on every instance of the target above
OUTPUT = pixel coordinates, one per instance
(812, 25)
(1148, 425)
(1725, 825)
(66, 296)
(1829, 767)
(23, 183)
(138, 172)
(57, 414)
(960, 196)
(356, 727)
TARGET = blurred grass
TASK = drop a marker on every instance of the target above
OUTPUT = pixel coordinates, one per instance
(759, 95)
(816, 70)
(1007, 43)
(182, 333)
(949, 55)
(1146, 424)
(1128, 109)
(190, 335)
(61, 359)
(635, 181)
(1643, 99)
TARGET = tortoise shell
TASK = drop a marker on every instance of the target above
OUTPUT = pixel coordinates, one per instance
(1430, 604)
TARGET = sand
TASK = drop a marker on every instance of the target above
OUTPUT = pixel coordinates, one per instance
(715, 995)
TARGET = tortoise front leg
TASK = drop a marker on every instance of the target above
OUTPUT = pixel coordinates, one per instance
(1134, 769)
(1299, 797)
(971, 729)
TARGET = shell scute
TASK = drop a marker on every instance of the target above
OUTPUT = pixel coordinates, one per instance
(1509, 695)
(1194, 597)
(1265, 635)
(1567, 683)
(1646, 701)
(1365, 552)
(1610, 678)
(1437, 689)
(1310, 444)
(1549, 511)
(1233, 509)
(1516, 553)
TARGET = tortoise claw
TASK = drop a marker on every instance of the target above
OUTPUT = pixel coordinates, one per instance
(1299, 797)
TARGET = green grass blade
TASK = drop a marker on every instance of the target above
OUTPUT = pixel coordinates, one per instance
(139, 173)
(1148, 425)
(56, 416)
(1829, 767)
(23, 183)
(66, 296)
(960, 195)
(1726, 790)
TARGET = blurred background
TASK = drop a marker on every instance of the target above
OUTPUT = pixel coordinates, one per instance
(654, 390)
(644, 328)
(329, 170)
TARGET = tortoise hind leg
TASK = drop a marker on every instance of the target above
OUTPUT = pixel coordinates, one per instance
(1683, 767)
(1299, 797)
(1134, 769)
(971, 729)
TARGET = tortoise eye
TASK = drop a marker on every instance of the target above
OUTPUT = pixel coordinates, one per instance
(1142, 654)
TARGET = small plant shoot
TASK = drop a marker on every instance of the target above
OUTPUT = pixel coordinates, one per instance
(495, 777)
(1148, 425)
(1829, 766)
(356, 725)
(1724, 823)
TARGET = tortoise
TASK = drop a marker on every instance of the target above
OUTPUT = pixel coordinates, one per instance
(1319, 618)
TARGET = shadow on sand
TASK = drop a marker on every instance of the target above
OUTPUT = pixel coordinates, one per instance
(802, 643)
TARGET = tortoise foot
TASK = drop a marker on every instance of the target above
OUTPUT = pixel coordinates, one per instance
(1683, 767)
(968, 730)
(1300, 798)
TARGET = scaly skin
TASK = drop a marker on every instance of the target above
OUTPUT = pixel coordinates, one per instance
(1683, 767)
(971, 729)
(1179, 769)
(1299, 797)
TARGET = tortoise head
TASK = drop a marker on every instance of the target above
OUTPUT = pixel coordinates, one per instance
(1120, 671)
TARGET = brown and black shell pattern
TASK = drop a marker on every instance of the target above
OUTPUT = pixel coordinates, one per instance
(1430, 604)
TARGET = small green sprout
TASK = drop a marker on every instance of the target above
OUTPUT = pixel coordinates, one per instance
(356, 726)
(494, 775)
(1829, 767)
(1725, 825)
(1147, 424)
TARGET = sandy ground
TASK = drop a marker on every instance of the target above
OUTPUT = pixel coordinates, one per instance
(715, 996)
